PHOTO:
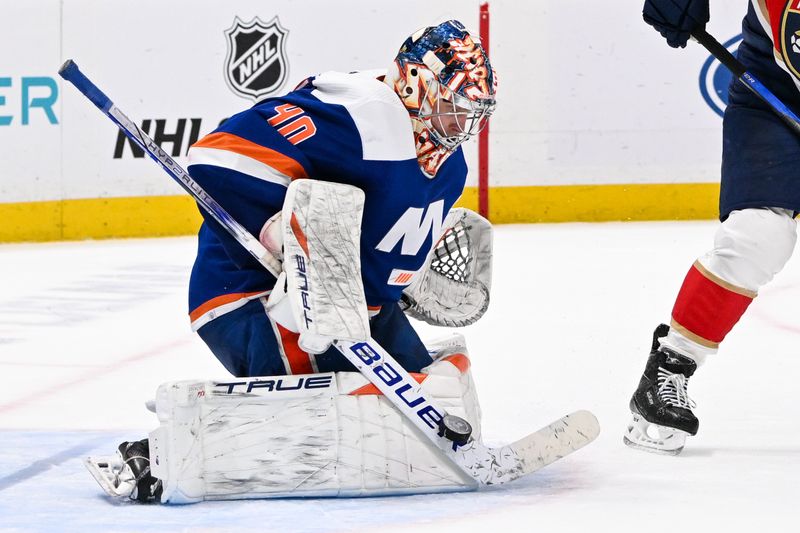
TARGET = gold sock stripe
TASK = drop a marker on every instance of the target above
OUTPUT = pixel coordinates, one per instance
(722, 283)
(697, 339)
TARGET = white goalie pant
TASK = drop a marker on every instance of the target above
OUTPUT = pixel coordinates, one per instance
(329, 434)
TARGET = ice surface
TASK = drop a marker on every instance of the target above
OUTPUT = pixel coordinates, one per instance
(89, 329)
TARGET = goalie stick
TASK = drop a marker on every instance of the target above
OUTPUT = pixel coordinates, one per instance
(484, 465)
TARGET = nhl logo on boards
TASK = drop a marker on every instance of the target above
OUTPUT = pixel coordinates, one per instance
(256, 63)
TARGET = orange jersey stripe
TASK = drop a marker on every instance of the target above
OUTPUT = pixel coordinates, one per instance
(299, 361)
(213, 303)
(372, 389)
(233, 143)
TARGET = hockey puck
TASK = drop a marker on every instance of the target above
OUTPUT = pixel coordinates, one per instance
(455, 428)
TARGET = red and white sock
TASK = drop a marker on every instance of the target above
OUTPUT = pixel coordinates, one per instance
(705, 311)
(750, 247)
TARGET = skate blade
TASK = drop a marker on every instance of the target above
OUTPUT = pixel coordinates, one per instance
(649, 437)
(109, 474)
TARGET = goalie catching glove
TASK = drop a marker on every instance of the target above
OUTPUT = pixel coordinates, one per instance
(452, 289)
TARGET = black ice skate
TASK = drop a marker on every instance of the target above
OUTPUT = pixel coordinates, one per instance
(127, 474)
(661, 407)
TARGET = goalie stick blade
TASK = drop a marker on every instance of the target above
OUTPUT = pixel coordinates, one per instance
(492, 466)
(555, 441)
(110, 475)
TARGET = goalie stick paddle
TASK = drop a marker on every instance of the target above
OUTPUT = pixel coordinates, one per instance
(751, 82)
(482, 464)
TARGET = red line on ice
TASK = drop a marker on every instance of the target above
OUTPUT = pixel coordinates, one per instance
(114, 366)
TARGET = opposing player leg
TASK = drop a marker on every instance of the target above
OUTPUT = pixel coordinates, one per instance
(759, 197)
(750, 247)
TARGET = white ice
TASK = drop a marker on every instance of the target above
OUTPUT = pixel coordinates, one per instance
(89, 329)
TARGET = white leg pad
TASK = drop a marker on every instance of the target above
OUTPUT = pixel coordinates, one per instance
(310, 435)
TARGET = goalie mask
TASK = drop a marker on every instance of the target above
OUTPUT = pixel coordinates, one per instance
(445, 80)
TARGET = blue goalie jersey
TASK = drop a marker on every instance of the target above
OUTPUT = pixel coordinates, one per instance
(344, 128)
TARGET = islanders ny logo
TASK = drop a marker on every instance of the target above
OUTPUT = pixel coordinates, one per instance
(256, 63)
(715, 78)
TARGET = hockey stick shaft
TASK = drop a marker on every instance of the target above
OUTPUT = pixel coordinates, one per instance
(751, 82)
(70, 72)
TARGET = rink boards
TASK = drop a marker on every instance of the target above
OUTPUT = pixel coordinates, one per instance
(585, 129)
